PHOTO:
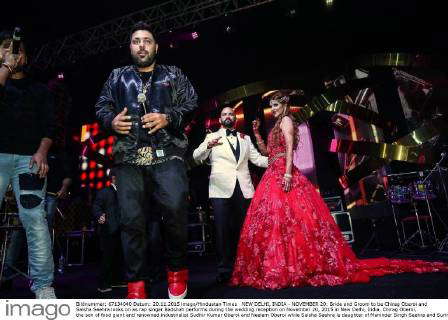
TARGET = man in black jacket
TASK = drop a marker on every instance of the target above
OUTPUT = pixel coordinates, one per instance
(107, 215)
(26, 133)
(146, 106)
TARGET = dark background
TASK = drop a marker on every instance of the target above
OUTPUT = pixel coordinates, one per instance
(265, 44)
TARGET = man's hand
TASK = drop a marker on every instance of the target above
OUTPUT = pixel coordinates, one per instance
(154, 121)
(102, 219)
(8, 58)
(213, 143)
(63, 193)
(40, 159)
(121, 123)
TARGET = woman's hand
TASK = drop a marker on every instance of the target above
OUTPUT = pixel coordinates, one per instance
(256, 125)
(286, 183)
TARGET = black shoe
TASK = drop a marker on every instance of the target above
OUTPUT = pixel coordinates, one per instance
(223, 278)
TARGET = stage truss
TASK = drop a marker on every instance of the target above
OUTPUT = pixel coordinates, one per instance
(165, 17)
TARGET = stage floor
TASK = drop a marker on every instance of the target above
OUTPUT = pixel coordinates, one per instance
(81, 282)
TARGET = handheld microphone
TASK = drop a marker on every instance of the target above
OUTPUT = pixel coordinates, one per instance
(16, 38)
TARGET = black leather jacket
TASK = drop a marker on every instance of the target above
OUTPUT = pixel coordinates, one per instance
(170, 93)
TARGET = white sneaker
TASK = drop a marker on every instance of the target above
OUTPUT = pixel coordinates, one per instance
(45, 293)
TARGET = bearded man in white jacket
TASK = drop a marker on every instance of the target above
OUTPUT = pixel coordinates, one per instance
(230, 187)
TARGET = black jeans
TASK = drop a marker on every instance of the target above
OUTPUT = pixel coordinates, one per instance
(110, 260)
(229, 214)
(168, 185)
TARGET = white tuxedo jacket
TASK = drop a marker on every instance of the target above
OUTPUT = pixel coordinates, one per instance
(225, 169)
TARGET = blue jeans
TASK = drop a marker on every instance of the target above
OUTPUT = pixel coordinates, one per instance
(29, 191)
(51, 203)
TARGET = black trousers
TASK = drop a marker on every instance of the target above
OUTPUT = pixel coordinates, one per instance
(111, 259)
(168, 185)
(229, 214)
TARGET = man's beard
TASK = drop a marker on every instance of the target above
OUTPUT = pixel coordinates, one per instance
(228, 123)
(145, 62)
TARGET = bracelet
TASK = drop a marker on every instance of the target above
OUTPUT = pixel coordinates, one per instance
(7, 66)
(288, 175)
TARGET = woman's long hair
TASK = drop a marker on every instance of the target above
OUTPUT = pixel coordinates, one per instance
(283, 97)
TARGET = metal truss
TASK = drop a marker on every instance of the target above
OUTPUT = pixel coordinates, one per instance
(168, 16)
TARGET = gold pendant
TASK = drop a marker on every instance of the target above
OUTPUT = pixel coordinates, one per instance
(141, 98)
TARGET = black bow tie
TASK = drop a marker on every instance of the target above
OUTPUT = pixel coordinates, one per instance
(229, 132)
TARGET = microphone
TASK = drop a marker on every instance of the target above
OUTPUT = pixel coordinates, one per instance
(16, 38)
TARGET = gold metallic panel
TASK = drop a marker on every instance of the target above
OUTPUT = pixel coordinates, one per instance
(358, 112)
(393, 59)
(424, 133)
(415, 154)
(259, 87)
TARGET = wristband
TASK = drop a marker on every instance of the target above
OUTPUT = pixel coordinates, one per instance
(7, 66)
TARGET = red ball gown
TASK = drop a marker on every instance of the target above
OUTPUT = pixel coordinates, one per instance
(289, 239)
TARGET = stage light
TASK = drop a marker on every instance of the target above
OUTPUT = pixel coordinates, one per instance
(290, 8)
(329, 3)
(267, 94)
(291, 12)
(237, 105)
(194, 35)
(60, 76)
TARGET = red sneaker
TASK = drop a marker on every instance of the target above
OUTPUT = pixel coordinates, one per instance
(177, 284)
(136, 290)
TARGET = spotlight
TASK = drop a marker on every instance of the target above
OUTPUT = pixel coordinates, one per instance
(329, 3)
(60, 76)
(292, 12)
(228, 29)
(290, 8)
(194, 35)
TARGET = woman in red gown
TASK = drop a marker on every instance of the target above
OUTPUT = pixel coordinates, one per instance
(289, 238)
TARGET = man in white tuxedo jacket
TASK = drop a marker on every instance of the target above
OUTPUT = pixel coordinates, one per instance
(230, 187)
